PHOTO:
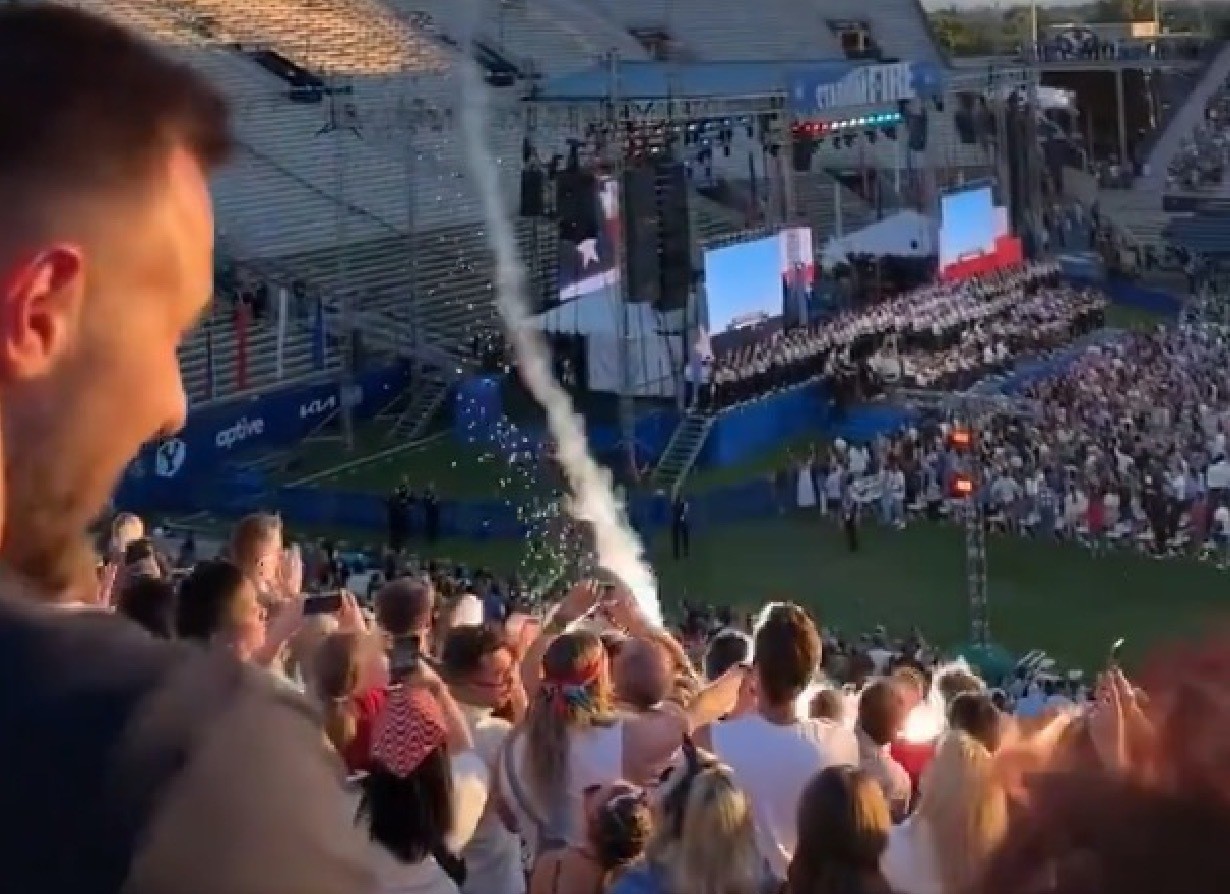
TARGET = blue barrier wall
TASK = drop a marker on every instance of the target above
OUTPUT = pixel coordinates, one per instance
(478, 408)
(182, 473)
(1153, 301)
(199, 472)
(754, 429)
(235, 493)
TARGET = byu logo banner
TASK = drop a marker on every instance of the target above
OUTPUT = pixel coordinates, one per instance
(821, 89)
(169, 458)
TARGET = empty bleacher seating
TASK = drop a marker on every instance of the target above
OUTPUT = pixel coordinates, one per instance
(364, 191)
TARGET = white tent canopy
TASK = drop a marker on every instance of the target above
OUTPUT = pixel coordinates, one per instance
(905, 234)
(655, 354)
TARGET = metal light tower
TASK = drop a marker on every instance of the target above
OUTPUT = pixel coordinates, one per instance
(968, 486)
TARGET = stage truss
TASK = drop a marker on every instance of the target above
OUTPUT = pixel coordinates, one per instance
(609, 116)
(609, 122)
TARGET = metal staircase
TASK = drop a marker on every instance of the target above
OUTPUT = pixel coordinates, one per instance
(428, 398)
(682, 450)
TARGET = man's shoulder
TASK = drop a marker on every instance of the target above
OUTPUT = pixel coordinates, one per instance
(125, 746)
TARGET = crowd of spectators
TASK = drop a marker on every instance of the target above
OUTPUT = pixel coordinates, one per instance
(492, 750)
(1127, 445)
(237, 724)
(1199, 164)
(942, 336)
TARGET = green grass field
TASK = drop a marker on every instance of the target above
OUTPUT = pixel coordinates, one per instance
(1043, 595)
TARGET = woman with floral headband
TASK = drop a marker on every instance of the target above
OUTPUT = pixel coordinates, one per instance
(571, 741)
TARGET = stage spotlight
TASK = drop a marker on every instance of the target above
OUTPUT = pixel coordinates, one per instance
(960, 439)
(962, 486)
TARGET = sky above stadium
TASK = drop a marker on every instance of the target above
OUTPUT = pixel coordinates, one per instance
(983, 4)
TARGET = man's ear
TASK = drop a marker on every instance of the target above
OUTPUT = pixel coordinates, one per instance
(40, 295)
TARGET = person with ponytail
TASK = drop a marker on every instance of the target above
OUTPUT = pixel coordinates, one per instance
(843, 830)
(571, 741)
(619, 824)
(349, 676)
(704, 837)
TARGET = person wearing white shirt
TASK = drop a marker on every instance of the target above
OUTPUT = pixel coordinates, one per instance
(481, 673)
(776, 750)
(1219, 530)
(859, 458)
(425, 793)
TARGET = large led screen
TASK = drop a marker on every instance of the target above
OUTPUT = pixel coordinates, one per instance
(743, 284)
(968, 224)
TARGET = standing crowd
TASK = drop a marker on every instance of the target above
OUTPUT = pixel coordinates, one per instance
(234, 726)
(942, 336)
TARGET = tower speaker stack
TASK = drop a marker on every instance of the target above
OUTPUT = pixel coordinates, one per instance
(675, 234)
(641, 236)
(574, 200)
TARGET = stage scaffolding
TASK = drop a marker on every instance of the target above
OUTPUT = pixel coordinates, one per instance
(622, 129)
(974, 414)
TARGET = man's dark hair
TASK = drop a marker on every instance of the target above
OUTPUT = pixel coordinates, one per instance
(975, 713)
(138, 551)
(410, 816)
(881, 711)
(206, 599)
(787, 652)
(404, 606)
(466, 647)
(90, 107)
(726, 649)
(150, 602)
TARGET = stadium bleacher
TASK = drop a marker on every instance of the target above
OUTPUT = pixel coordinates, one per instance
(359, 186)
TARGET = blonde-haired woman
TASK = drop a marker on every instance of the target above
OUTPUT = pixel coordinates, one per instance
(704, 838)
(962, 817)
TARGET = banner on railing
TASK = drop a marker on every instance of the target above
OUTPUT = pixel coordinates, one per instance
(243, 321)
(217, 434)
(1185, 204)
(211, 368)
(280, 347)
(318, 335)
(826, 87)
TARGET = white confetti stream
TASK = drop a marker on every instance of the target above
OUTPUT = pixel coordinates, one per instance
(593, 498)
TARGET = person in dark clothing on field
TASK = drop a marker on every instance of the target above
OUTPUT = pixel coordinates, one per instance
(849, 521)
(138, 765)
(681, 527)
(431, 514)
(397, 507)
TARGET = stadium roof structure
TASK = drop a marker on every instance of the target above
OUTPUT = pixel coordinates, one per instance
(649, 92)
(640, 81)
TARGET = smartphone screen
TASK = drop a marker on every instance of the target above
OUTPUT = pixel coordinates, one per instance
(404, 657)
(323, 604)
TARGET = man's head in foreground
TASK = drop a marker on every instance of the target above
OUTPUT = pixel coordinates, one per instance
(106, 260)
